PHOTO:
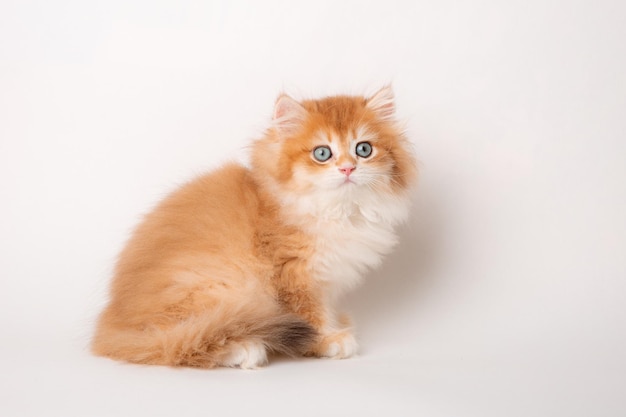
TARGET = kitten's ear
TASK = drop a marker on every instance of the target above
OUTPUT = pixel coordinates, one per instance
(288, 114)
(382, 103)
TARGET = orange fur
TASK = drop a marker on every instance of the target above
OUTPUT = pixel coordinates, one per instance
(227, 261)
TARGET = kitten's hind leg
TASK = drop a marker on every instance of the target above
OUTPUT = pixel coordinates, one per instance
(245, 355)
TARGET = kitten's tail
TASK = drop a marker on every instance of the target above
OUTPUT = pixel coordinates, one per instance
(209, 339)
(289, 335)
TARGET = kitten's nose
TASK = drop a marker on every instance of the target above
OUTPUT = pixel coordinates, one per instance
(347, 170)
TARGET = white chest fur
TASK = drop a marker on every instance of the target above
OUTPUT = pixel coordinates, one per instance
(345, 248)
(351, 235)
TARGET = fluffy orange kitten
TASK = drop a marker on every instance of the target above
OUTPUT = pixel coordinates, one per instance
(245, 261)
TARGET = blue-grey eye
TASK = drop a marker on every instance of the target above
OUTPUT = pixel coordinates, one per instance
(363, 149)
(322, 153)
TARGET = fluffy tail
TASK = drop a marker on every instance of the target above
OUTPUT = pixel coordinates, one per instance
(205, 340)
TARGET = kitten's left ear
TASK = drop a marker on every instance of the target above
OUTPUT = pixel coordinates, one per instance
(288, 114)
(382, 103)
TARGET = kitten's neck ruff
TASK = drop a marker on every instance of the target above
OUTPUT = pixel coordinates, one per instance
(348, 204)
(351, 228)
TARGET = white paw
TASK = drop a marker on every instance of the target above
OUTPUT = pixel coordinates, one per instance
(246, 355)
(339, 346)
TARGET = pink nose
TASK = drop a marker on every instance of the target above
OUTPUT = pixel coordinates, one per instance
(347, 170)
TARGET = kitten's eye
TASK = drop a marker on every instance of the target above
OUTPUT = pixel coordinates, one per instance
(322, 153)
(363, 149)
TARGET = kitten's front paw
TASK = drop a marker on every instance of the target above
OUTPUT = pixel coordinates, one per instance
(338, 345)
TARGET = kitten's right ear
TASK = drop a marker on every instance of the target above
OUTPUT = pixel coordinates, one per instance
(288, 114)
(382, 103)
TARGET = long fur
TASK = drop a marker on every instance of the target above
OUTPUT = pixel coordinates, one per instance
(245, 261)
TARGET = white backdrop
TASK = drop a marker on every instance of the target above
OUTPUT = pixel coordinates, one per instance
(507, 294)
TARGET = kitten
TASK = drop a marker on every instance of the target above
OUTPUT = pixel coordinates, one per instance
(246, 261)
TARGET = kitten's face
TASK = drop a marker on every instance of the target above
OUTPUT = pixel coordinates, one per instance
(331, 159)
(344, 144)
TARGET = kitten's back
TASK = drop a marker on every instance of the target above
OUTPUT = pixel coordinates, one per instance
(189, 284)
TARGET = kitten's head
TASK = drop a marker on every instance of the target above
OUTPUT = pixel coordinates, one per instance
(340, 145)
